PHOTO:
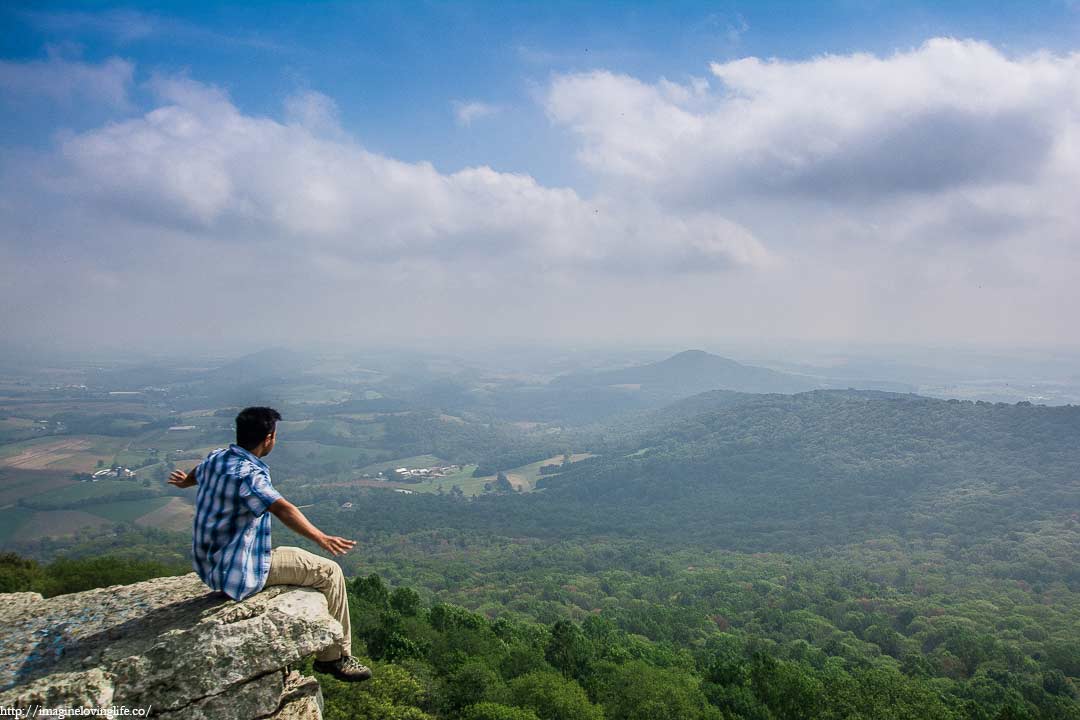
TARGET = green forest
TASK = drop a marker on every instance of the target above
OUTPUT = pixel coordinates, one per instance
(832, 554)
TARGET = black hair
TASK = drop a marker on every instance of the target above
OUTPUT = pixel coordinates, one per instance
(253, 424)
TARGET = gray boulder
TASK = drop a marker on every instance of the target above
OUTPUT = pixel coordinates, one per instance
(169, 644)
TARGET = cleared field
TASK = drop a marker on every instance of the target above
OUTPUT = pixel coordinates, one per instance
(17, 423)
(173, 515)
(462, 478)
(77, 492)
(11, 520)
(40, 454)
(16, 484)
(525, 477)
(43, 409)
(57, 523)
(417, 461)
(518, 482)
(128, 510)
(134, 457)
(77, 453)
(522, 478)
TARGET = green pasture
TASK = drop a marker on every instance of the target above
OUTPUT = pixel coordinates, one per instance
(133, 458)
(16, 484)
(11, 520)
(463, 479)
(475, 486)
(90, 491)
(14, 448)
(416, 461)
(186, 440)
(127, 510)
(16, 428)
(531, 472)
(58, 523)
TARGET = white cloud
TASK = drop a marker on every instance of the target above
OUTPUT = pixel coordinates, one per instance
(929, 193)
(64, 80)
(197, 162)
(946, 115)
(314, 111)
(163, 224)
(467, 111)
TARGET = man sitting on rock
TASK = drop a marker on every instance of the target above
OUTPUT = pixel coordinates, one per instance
(231, 540)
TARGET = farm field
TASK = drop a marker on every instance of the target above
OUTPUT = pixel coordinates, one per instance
(11, 520)
(416, 461)
(40, 454)
(462, 478)
(129, 510)
(58, 523)
(91, 492)
(176, 514)
(16, 484)
(62, 429)
(524, 478)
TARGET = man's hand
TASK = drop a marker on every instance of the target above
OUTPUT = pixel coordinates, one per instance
(335, 545)
(181, 479)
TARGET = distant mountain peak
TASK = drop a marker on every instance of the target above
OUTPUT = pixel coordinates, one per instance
(698, 356)
(693, 371)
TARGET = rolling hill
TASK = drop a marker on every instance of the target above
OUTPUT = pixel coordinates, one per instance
(692, 372)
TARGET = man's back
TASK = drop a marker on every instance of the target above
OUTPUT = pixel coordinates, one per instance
(231, 538)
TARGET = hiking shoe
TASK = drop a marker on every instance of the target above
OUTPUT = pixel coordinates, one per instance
(345, 668)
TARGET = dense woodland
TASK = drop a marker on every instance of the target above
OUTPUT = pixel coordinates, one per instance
(832, 554)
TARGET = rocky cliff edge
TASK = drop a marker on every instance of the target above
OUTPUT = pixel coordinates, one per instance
(169, 644)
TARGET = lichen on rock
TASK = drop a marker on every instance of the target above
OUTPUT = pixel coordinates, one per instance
(168, 643)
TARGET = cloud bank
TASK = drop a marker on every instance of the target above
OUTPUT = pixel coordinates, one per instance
(950, 114)
(198, 163)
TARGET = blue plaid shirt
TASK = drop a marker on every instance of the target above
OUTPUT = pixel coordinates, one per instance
(231, 538)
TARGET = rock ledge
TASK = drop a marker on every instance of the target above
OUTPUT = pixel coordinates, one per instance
(169, 644)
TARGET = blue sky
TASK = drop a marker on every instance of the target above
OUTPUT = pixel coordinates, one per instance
(831, 171)
(395, 69)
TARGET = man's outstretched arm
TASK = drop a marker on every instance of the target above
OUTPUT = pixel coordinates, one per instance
(289, 514)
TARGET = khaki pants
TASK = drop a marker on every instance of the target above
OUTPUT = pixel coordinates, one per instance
(293, 566)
